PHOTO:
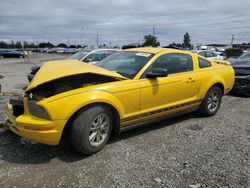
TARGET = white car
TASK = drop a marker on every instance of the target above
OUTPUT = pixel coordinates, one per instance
(87, 56)
(209, 54)
(93, 56)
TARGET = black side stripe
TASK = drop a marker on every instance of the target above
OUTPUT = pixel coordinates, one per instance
(160, 111)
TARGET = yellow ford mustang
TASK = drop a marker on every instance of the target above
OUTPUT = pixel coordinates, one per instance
(125, 90)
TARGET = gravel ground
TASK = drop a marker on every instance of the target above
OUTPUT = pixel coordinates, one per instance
(188, 151)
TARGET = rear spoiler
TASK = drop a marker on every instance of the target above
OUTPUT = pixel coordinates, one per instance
(223, 62)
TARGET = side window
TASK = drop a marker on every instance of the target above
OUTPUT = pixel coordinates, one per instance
(174, 63)
(95, 56)
(211, 54)
(109, 52)
(202, 53)
(203, 63)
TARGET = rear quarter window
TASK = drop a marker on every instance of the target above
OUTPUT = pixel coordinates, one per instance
(203, 63)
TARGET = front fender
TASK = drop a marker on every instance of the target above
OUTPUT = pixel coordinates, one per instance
(65, 107)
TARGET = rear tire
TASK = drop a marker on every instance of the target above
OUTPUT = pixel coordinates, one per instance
(211, 103)
(91, 129)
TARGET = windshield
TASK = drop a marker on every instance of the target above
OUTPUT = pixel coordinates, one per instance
(245, 56)
(126, 63)
(79, 55)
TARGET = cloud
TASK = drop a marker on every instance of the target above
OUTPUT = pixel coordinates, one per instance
(124, 21)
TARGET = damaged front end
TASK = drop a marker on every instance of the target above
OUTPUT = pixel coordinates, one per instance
(67, 83)
(24, 123)
(31, 117)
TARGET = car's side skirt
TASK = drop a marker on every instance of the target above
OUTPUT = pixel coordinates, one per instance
(163, 110)
(132, 126)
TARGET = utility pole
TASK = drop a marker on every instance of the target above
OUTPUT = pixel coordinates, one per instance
(232, 41)
(81, 36)
(68, 41)
(153, 36)
(97, 40)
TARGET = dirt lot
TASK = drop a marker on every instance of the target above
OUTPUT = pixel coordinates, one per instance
(180, 152)
(14, 71)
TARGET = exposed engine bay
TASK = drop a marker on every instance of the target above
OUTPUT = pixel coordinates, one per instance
(68, 83)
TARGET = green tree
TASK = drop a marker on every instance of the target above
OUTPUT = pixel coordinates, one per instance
(18, 44)
(176, 45)
(26, 44)
(3, 44)
(186, 40)
(45, 45)
(150, 40)
(32, 45)
(62, 45)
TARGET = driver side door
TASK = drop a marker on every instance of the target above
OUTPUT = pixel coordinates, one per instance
(175, 92)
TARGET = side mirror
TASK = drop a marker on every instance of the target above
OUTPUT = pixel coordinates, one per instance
(157, 72)
(87, 60)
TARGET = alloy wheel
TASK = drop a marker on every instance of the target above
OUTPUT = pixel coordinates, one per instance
(99, 130)
(213, 101)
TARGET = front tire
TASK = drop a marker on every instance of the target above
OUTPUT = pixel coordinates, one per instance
(91, 129)
(211, 103)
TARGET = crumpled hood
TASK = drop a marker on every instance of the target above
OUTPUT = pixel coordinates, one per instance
(53, 70)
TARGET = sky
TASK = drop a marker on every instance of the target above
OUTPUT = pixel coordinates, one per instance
(124, 21)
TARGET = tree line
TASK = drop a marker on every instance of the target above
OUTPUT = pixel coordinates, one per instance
(25, 44)
(150, 40)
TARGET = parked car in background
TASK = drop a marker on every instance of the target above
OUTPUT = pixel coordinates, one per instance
(92, 56)
(86, 56)
(53, 50)
(24, 52)
(209, 54)
(245, 55)
(86, 102)
(241, 67)
(233, 53)
(11, 54)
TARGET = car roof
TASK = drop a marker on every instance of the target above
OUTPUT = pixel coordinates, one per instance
(154, 50)
(105, 49)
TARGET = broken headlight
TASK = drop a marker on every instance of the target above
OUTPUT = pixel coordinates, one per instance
(37, 110)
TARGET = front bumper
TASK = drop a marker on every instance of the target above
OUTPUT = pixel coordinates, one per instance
(242, 85)
(34, 128)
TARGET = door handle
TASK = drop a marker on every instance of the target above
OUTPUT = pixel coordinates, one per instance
(190, 80)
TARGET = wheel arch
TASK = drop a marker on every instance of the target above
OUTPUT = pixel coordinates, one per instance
(214, 81)
(115, 112)
(220, 85)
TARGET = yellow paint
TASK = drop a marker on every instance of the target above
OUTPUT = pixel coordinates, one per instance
(135, 99)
